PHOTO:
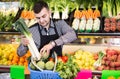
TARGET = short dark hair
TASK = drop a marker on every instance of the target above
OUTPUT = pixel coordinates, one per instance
(38, 6)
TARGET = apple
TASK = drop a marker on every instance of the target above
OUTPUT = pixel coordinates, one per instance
(106, 68)
(100, 68)
(113, 57)
(117, 64)
(105, 58)
(103, 62)
(118, 59)
(112, 68)
(112, 64)
(107, 62)
(117, 68)
(111, 52)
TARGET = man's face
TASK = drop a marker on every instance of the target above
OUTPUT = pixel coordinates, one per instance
(43, 17)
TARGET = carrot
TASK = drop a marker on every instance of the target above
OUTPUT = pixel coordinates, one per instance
(31, 15)
(83, 13)
(87, 15)
(27, 14)
(80, 14)
(24, 14)
(76, 14)
(96, 13)
(90, 12)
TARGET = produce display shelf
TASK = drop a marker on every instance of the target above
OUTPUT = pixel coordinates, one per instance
(81, 34)
(4, 69)
(10, 33)
(99, 34)
(7, 69)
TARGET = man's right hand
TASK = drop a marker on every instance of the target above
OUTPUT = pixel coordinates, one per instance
(24, 40)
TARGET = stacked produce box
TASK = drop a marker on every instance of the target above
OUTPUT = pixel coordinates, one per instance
(8, 55)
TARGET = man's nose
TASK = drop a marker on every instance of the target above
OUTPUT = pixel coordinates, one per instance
(41, 20)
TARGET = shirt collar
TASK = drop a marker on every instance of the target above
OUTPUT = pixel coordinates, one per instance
(52, 23)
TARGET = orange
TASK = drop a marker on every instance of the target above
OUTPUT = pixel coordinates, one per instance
(14, 62)
(22, 59)
(25, 64)
(20, 63)
(9, 63)
(16, 59)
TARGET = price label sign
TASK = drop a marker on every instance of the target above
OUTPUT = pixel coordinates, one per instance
(110, 74)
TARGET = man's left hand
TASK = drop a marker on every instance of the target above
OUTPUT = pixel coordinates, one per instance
(47, 47)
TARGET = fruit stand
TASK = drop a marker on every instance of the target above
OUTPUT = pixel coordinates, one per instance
(96, 26)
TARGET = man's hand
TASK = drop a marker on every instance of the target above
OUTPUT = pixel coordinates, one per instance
(47, 47)
(24, 40)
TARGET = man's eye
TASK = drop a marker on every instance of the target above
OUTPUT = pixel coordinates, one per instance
(43, 16)
(37, 17)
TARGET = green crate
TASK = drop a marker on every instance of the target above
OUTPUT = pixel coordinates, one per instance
(110, 73)
(17, 72)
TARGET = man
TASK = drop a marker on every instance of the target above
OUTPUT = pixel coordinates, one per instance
(48, 35)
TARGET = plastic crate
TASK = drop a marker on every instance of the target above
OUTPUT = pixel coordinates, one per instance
(45, 74)
(17, 72)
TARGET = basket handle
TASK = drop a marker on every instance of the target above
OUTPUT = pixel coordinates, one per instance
(55, 62)
(33, 62)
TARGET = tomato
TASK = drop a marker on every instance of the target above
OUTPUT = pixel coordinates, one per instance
(64, 58)
(59, 58)
(51, 59)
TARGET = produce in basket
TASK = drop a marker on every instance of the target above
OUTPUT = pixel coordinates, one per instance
(41, 64)
(44, 63)
(45, 55)
(49, 65)
(32, 66)
(44, 74)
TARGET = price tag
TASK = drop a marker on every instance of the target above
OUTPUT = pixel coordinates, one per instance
(110, 74)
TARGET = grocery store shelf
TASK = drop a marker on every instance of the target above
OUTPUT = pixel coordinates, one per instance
(10, 33)
(97, 72)
(99, 34)
(4, 69)
(81, 34)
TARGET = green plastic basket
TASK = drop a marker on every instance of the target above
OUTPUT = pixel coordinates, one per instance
(17, 72)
